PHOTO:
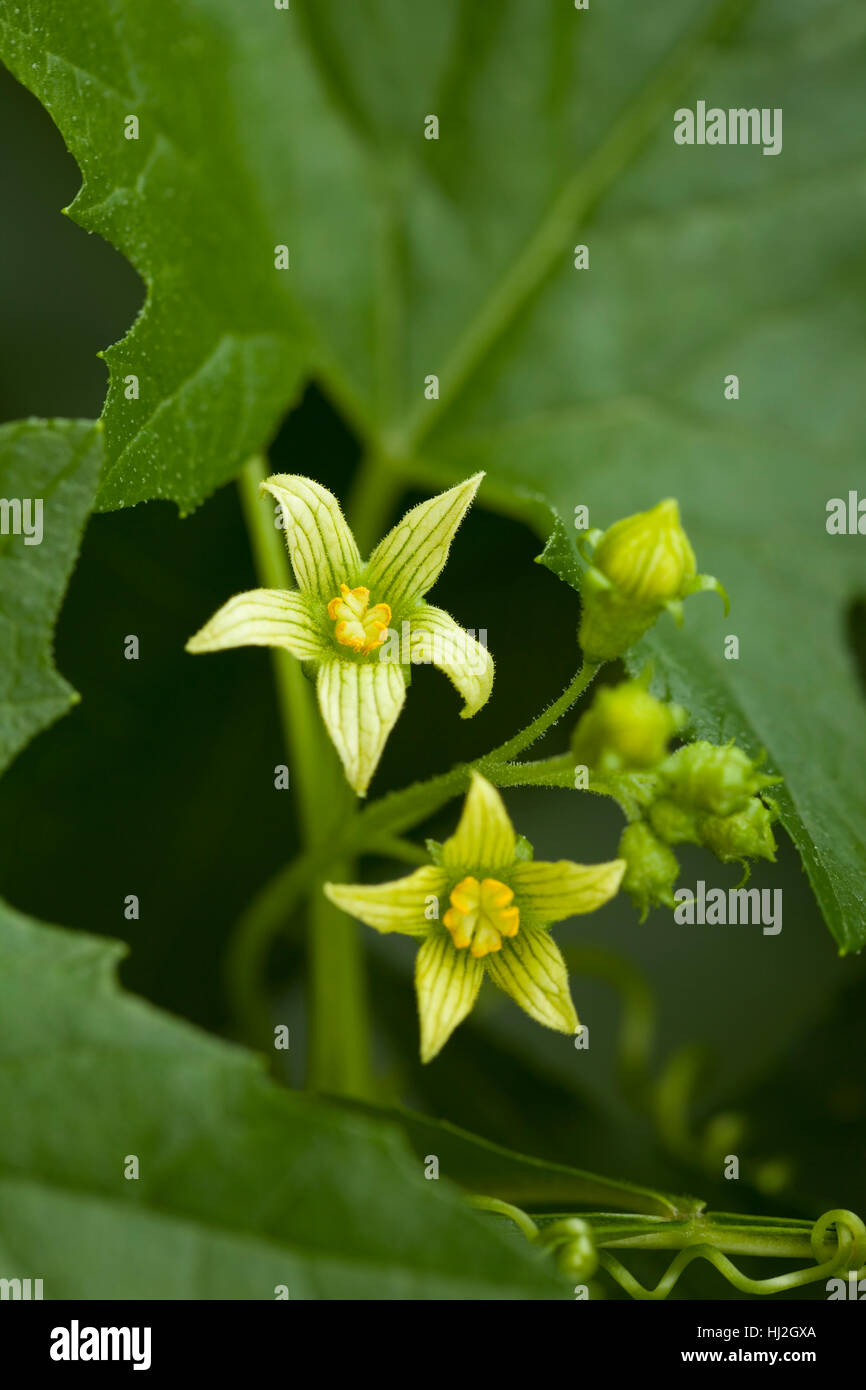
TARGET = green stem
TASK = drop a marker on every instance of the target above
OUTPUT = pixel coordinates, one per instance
(400, 810)
(297, 712)
(379, 826)
(835, 1244)
(376, 488)
(508, 751)
(339, 1029)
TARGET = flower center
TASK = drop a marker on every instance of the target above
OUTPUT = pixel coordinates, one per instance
(358, 626)
(481, 914)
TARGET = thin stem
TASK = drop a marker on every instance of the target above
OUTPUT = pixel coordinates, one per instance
(522, 1221)
(399, 811)
(380, 825)
(507, 752)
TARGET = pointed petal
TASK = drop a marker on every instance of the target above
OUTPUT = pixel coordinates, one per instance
(484, 839)
(437, 639)
(360, 703)
(553, 892)
(530, 968)
(321, 546)
(262, 618)
(447, 982)
(412, 556)
(398, 906)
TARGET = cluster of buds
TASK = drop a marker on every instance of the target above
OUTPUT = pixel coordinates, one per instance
(702, 793)
(637, 569)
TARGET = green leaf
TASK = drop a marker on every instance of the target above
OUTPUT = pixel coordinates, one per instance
(52, 468)
(455, 257)
(242, 1186)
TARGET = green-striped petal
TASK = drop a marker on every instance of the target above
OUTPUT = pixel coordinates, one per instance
(530, 968)
(360, 702)
(412, 556)
(553, 892)
(437, 639)
(484, 839)
(262, 618)
(322, 549)
(400, 906)
(447, 982)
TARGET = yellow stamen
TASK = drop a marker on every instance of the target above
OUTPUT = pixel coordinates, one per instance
(481, 914)
(357, 625)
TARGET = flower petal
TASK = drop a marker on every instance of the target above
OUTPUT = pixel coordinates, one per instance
(360, 702)
(437, 639)
(262, 618)
(484, 839)
(447, 982)
(530, 968)
(321, 546)
(553, 892)
(411, 557)
(398, 906)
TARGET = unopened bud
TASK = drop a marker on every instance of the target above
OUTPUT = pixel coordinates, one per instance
(652, 868)
(625, 728)
(745, 835)
(640, 566)
(716, 779)
(673, 823)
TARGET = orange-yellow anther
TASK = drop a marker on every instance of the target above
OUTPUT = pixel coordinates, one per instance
(481, 914)
(358, 626)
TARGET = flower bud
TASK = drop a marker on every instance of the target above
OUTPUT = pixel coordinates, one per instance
(675, 824)
(625, 729)
(638, 567)
(745, 835)
(652, 868)
(648, 556)
(716, 779)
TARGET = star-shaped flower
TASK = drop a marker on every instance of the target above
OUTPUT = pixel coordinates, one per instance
(483, 907)
(358, 627)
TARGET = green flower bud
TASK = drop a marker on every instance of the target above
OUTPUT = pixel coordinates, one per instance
(625, 728)
(651, 868)
(745, 835)
(648, 556)
(712, 778)
(640, 566)
(674, 824)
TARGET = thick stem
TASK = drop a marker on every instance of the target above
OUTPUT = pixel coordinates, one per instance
(338, 1032)
(297, 712)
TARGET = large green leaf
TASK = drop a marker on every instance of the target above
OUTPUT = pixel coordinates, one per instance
(454, 256)
(242, 1185)
(52, 467)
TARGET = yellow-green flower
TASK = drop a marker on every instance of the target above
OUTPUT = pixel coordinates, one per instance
(483, 907)
(359, 626)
